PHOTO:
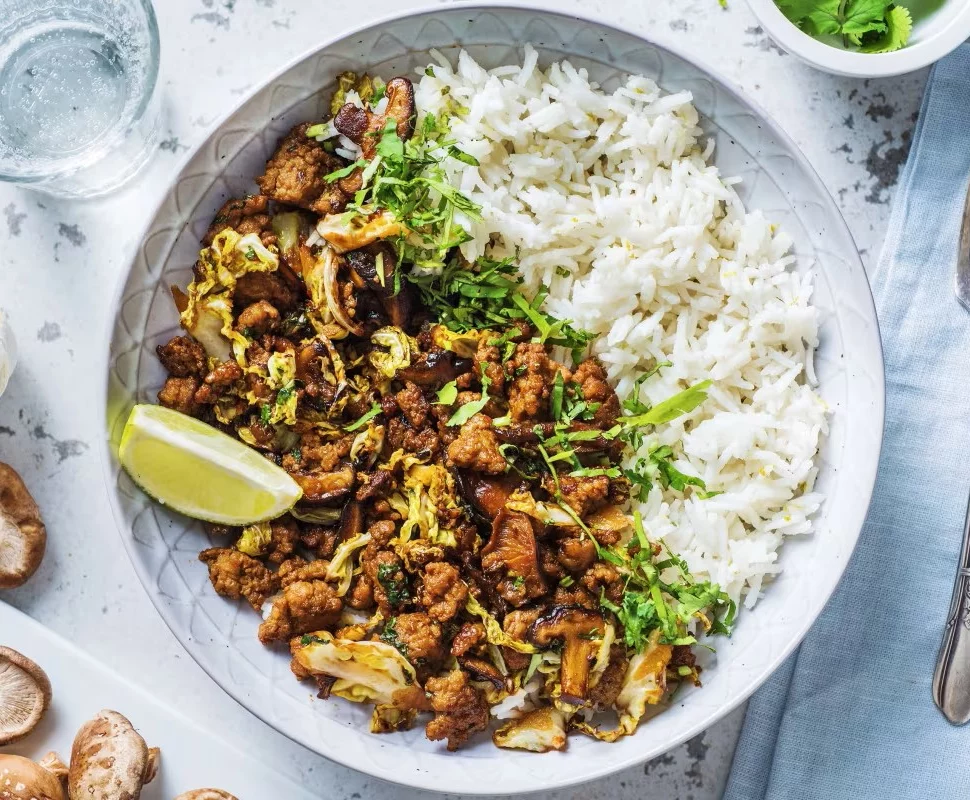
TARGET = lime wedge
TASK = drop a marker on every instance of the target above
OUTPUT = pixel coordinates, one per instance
(200, 471)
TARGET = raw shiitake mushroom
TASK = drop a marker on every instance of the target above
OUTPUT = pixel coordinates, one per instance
(23, 779)
(23, 537)
(110, 760)
(25, 694)
(206, 794)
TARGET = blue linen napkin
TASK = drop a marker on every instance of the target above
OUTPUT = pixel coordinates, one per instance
(851, 713)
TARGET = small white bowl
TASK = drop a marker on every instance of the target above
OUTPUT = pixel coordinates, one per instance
(933, 37)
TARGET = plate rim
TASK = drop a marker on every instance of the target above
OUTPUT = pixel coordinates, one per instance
(422, 780)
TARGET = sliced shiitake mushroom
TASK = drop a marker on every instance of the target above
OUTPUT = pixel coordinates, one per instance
(580, 630)
(25, 694)
(110, 760)
(434, 370)
(23, 537)
(482, 670)
(364, 127)
(23, 779)
(486, 494)
(206, 794)
(511, 557)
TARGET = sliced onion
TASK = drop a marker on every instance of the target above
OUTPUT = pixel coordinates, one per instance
(331, 265)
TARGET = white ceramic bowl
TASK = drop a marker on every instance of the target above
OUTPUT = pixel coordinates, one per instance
(933, 37)
(776, 178)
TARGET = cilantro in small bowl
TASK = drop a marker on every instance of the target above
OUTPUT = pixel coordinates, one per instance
(867, 26)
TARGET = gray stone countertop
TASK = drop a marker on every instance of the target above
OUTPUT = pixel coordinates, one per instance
(61, 263)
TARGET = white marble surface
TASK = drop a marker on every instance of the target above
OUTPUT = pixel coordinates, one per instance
(60, 263)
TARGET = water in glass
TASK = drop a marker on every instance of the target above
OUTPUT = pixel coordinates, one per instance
(77, 78)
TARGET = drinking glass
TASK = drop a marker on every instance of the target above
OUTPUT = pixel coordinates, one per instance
(78, 107)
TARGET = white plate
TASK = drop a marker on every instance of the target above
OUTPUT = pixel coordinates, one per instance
(192, 758)
(777, 179)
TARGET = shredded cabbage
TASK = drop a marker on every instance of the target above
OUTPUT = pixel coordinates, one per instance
(366, 672)
(282, 377)
(345, 232)
(317, 516)
(429, 488)
(463, 344)
(255, 539)
(397, 351)
(493, 630)
(538, 731)
(341, 568)
(367, 445)
(645, 683)
(229, 257)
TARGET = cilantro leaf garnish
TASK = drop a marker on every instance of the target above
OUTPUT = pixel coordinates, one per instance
(899, 24)
(652, 599)
(488, 295)
(447, 394)
(374, 410)
(873, 26)
(681, 403)
(469, 410)
(462, 156)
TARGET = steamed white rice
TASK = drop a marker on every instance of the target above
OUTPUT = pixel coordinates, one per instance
(610, 201)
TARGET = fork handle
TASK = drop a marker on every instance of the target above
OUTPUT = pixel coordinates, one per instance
(951, 683)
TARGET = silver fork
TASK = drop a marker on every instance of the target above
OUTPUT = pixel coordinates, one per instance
(951, 682)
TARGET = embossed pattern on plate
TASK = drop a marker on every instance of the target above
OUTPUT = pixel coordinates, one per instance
(221, 635)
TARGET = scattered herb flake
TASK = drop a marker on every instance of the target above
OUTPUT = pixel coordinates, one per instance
(374, 410)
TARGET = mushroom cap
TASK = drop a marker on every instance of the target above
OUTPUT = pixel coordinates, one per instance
(575, 626)
(110, 760)
(25, 694)
(206, 794)
(23, 537)
(23, 779)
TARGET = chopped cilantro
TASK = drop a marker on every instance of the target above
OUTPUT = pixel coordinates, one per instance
(469, 410)
(380, 89)
(488, 295)
(679, 404)
(658, 466)
(337, 174)
(633, 403)
(556, 396)
(396, 588)
(265, 412)
(375, 409)
(285, 393)
(389, 636)
(650, 602)
(447, 394)
(462, 156)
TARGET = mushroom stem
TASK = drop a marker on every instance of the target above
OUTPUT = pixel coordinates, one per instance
(577, 628)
